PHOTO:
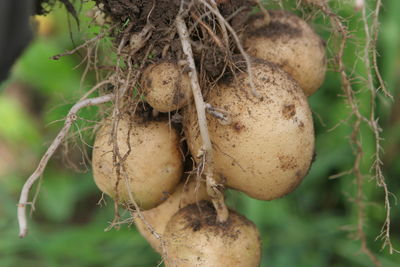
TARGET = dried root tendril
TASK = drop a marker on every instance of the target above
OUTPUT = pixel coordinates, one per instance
(212, 186)
(70, 119)
(371, 33)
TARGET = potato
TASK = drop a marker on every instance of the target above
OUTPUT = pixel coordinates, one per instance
(185, 194)
(267, 149)
(291, 43)
(195, 238)
(166, 88)
(153, 167)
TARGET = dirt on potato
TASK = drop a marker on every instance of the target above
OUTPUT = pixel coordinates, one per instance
(203, 216)
(275, 29)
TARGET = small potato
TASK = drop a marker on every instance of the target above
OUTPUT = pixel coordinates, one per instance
(185, 194)
(153, 167)
(268, 147)
(166, 88)
(195, 239)
(292, 44)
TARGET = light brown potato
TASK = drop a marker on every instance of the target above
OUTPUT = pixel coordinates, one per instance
(267, 149)
(291, 43)
(195, 239)
(166, 88)
(153, 167)
(185, 194)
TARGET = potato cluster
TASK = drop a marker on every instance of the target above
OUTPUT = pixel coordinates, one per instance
(263, 145)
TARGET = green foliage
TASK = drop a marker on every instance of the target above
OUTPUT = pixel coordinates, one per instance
(311, 227)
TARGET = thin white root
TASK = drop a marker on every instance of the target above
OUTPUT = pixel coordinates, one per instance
(239, 45)
(222, 25)
(267, 17)
(71, 118)
(139, 214)
(355, 139)
(216, 196)
(222, 116)
(85, 44)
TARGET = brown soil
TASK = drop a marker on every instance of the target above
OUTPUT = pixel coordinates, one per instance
(289, 111)
(231, 6)
(202, 216)
(278, 26)
(210, 58)
(162, 13)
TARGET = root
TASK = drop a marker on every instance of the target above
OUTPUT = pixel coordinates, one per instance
(85, 44)
(71, 117)
(221, 21)
(222, 116)
(139, 214)
(359, 200)
(335, 20)
(132, 77)
(212, 186)
(371, 121)
(265, 12)
(124, 81)
(374, 40)
(246, 57)
(138, 40)
(216, 39)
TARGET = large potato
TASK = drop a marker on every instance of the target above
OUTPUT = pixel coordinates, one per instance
(153, 167)
(194, 238)
(185, 194)
(291, 43)
(268, 148)
(166, 88)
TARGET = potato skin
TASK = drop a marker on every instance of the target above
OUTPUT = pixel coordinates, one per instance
(291, 43)
(195, 239)
(153, 167)
(158, 217)
(165, 87)
(268, 148)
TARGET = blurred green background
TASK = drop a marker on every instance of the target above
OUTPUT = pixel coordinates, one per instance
(314, 226)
